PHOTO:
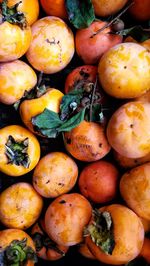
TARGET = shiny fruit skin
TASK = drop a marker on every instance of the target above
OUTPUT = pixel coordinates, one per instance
(14, 42)
(104, 8)
(128, 130)
(16, 78)
(66, 218)
(49, 181)
(52, 45)
(128, 236)
(124, 71)
(98, 181)
(54, 8)
(87, 142)
(134, 189)
(20, 205)
(30, 108)
(91, 48)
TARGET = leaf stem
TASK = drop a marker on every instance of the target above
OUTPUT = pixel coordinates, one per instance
(113, 20)
(92, 98)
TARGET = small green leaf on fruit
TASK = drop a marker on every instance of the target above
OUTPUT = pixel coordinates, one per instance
(80, 13)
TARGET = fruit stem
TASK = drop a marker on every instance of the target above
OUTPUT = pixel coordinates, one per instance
(12, 15)
(113, 20)
(92, 99)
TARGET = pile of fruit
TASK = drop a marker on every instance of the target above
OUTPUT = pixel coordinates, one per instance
(74, 132)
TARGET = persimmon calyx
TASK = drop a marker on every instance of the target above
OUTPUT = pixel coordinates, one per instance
(17, 254)
(42, 240)
(16, 152)
(101, 231)
(12, 15)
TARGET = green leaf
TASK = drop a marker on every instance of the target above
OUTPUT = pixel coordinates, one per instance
(136, 32)
(72, 122)
(47, 120)
(70, 102)
(49, 124)
(80, 13)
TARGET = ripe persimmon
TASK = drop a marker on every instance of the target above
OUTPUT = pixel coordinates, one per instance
(66, 218)
(104, 8)
(80, 76)
(52, 45)
(31, 10)
(128, 130)
(16, 78)
(19, 150)
(87, 142)
(54, 8)
(15, 37)
(16, 246)
(31, 107)
(90, 45)
(46, 249)
(55, 174)
(124, 71)
(115, 234)
(134, 188)
(20, 205)
(98, 181)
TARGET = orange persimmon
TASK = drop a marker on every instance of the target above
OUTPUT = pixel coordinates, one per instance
(54, 8)
(66, 218)
(123, 239)
(14, 243)
(87, 142)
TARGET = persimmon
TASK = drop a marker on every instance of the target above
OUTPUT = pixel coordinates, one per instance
(104, 8)
(17, 247)
(31, 10)
(115, 234)
(52, 45)
(90, 45)
(80, 76)
(128, 130)
(140, 10)
(54, 8)
(85, 252)
(20, 205)
(126, 162)
(16, 78)
(66, 218)
(134, 188)
(49, 181)
(124, 71)
(15, 37)
(19, 150)
(29, 108)
(98, 181)
(87, 142)
(46, 249)
(145, 250)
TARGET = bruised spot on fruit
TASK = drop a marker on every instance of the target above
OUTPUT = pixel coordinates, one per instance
(131, 125)
(48, 181)
(62, 202)
(84, 74)
(68, 140)
(100, 145)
